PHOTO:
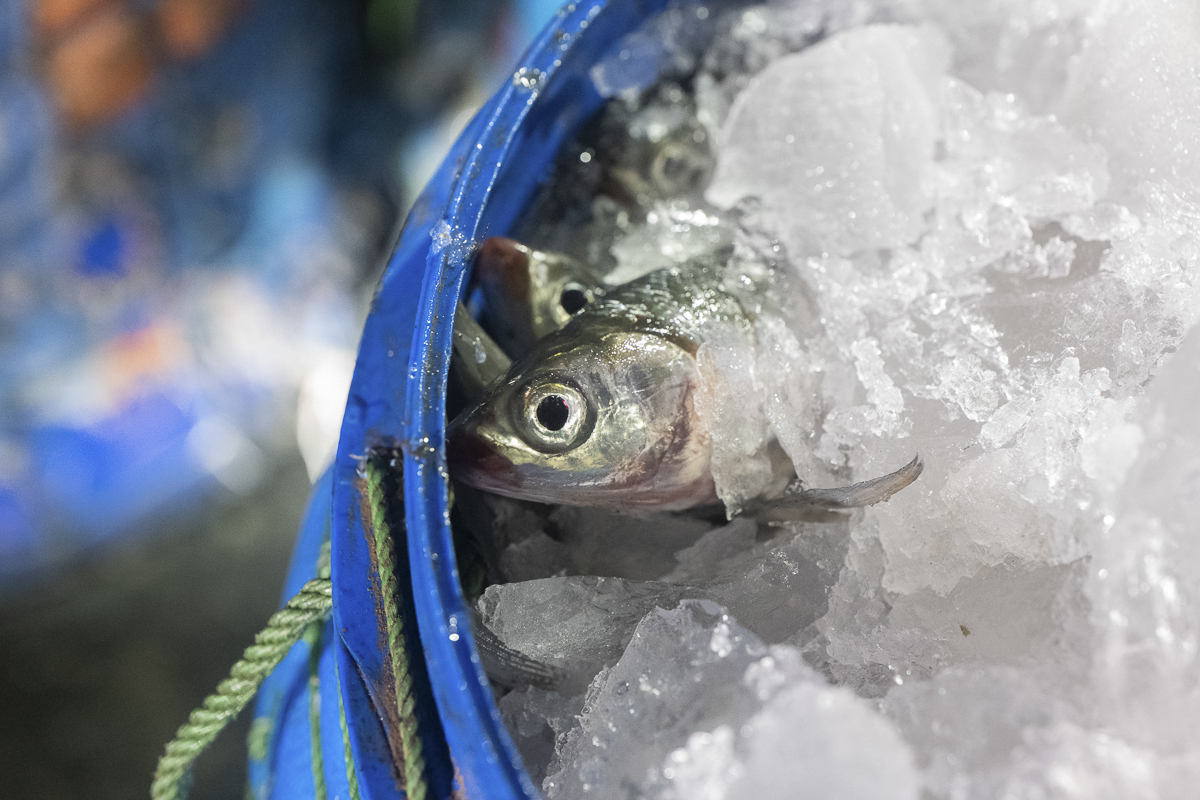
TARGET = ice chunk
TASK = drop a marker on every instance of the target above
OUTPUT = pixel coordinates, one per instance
(728, 403)
(1018, 502)
(535, 718)
(581, 623)
(1133, 89)
(710, 556)
(599, 542)
(679, 665)
(675, 232)
(1069, 760)
(757, 390)
(1018, 47)
(810, 740)
(967, 726)
(668, 44)
(1002, 615)
(698, 707)
(837, 140)
(776, 588)
(1006, 422)
(1145, 576)
(537, 556)
(755, 37)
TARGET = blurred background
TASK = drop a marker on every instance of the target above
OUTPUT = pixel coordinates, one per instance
(196, 199)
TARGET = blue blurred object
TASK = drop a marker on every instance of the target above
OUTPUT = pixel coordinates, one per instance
(103, 250)
(168, 279)
(101, 478)
(533, 15)
(229, 215)
(480, 190)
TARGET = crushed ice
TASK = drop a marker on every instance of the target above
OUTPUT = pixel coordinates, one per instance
(985, 221)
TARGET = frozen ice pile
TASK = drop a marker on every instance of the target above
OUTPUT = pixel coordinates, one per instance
(986, 216)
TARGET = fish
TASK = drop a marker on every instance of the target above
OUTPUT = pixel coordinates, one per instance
(601, 412)
(656, 151)
(528, 293)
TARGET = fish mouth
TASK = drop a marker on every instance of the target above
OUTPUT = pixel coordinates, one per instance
(477, 461)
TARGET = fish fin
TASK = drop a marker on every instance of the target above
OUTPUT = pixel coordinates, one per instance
(510, 668)
(470, 343)
(820, 505)
(504, 264)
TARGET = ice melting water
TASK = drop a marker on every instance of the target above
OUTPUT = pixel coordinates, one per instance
(983, 221)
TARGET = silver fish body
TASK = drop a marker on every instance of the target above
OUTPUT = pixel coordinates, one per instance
(602, 411)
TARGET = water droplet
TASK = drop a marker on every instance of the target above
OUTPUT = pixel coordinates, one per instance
(528, 79)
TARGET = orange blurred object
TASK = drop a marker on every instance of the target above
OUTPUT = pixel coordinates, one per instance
(189, 28)
(54, 16)
(130, 362)
(101, 68)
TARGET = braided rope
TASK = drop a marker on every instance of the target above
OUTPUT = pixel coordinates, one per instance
(351, 772)
(313, 636)
(285, 627)
(415, 782)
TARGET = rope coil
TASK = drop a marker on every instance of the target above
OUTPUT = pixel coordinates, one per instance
(285, 627)
(416, 784)
(302, 617)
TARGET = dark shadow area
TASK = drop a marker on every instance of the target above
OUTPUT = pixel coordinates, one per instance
(99, 668)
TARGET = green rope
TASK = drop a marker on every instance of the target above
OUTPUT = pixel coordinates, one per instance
(285, 627)
(415, 782)
(351, 773)
(313, 637)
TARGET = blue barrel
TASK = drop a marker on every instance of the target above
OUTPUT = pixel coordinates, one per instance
(398, 399)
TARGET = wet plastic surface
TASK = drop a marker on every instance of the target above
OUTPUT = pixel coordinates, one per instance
(398, 398)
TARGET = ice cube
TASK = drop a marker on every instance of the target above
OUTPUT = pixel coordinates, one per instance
(600, 542)
(838, 139)
(698, 707)
(775, 588)
(535, 718)
(680, 665)
(581, 623)
(1145, 575)
(809, 740)
(537, 556)
(675, 232)
(1132, 88)
(967, 725)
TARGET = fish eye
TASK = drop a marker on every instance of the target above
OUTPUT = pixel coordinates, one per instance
(573, 298)
(553, 412)
(679, 167)
(554, 416)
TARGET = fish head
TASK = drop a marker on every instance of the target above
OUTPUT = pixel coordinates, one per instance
(529, 293)
(664, 152)
(595, 416)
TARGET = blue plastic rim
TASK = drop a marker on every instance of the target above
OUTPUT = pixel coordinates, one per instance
(398, 397)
